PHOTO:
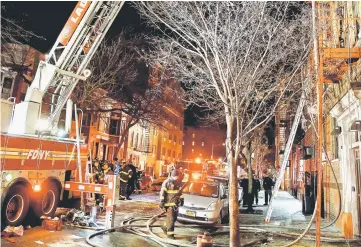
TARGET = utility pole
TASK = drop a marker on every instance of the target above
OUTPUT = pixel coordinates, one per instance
(215, 146)
(319, 86)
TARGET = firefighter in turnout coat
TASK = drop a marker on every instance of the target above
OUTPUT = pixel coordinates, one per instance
(125, 173)
(170, 199)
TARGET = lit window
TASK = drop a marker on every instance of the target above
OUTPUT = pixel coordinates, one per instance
(192, 143)
(202, 144)
(183, 143)
(194, 135)
(192, 150)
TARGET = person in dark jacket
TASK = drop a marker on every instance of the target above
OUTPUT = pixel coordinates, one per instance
(131, 181)
(256, 187)
(125, 174)
(170, 199)
(244, 185)
(267, 186)
(137, 181)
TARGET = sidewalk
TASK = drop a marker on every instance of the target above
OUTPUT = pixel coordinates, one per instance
(287, 211)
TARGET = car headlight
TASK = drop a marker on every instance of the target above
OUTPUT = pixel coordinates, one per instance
(212, 206)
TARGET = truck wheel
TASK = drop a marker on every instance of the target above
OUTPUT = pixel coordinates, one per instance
(16, 205)
(46, 201)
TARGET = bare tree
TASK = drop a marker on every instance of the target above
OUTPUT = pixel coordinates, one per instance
(120, 83)
(13, 33)
(14, 51)
(238, 59)
(17, 58)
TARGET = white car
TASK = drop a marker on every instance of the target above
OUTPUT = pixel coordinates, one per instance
(205, 202)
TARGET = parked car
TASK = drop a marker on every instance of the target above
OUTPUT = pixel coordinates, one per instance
(205, 202)
(157, 183)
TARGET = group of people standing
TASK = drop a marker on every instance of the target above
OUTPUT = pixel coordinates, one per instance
(129, 177)
(250, 198)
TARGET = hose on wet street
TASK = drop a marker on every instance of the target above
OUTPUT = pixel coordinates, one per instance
(127, 225)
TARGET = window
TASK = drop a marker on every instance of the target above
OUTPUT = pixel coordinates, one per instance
(175, 139)
(335, 141)
(173, 154)
(183, 143)
(192, 150)
(163, 151)
(113, 127)
(131, 139)
(136, 141)
(192, 143)
(202, 189)
(202, 144)
(94, 120)
(170, 137)
(86, 119)
(6, 88)
(193, 135)
(141, 144)
(169, 153)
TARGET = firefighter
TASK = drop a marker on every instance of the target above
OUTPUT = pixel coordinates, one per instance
(124, 175)
(170, 199)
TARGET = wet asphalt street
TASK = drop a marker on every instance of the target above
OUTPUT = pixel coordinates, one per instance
(287, 213)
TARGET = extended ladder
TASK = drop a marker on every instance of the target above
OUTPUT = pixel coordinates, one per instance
(65, 65)
(288, 147)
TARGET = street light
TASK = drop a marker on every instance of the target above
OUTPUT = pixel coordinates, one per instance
(216, 146)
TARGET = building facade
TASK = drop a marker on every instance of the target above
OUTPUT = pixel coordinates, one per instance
(155, 148)
(204, 143)
(340, 53)
(18, 64)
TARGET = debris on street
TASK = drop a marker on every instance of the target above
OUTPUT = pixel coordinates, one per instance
(52, 224)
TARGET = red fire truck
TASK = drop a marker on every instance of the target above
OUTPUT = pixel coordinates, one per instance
(36, 157)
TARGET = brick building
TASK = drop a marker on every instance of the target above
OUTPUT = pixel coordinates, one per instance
(156, 148)
(17, 58)
(340, 55)
(204, 142)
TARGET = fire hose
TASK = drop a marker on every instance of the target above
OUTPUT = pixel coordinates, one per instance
(127, 226)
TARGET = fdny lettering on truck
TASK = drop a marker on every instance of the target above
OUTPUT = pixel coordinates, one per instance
(37, 154)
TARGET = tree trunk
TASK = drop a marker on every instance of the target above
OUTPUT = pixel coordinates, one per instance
(250, 179)
(233, 188)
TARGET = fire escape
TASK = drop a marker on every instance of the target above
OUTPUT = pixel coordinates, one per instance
(338, 37)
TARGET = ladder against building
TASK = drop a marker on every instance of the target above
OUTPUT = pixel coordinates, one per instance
(337, 52)
(288, 148)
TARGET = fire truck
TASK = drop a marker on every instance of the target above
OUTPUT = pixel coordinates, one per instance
(39, 161)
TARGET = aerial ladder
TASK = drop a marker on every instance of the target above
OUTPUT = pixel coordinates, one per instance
(288, 147)
(37, 117)
(65, 66)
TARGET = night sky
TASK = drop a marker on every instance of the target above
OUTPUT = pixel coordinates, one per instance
(47, 19)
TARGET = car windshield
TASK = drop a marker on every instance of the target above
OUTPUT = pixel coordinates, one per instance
(202, 189)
